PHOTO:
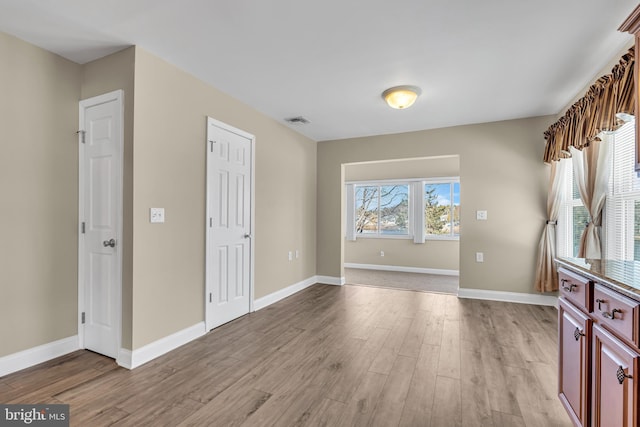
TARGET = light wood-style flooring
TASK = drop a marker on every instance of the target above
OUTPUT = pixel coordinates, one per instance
(331, 356)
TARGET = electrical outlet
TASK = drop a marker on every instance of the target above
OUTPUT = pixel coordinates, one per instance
(297, 254)
(381, 253)
(479, 257)
(156, 215)
(481, 215)
(290, 256)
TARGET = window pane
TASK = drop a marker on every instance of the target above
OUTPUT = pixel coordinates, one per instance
(366, 209)
(580, 220)
(456, 209)
(394, 209)
(575, 192)
(437, 210)
(636, 231)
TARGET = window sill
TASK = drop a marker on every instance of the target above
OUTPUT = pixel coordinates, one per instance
(436, 238)
(384, 236)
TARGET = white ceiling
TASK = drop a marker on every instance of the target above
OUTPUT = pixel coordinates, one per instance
(329, 60)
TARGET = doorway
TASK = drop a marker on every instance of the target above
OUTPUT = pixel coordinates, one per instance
(402, 223)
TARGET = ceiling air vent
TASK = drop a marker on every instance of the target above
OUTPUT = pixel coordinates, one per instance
(297, 120)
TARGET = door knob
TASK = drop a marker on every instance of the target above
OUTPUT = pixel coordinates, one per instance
(111, 243)
(247, 236)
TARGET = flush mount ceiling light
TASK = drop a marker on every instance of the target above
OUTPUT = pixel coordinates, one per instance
(400, 97)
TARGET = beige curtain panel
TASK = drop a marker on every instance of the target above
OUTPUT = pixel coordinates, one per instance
(546, 275)
(594, 113)
(591, 169)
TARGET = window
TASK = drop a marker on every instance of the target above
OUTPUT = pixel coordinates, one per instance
(573, 216)
(622, 209)
(418, 209)
(382, 209)
(621, 218)
(442, 209)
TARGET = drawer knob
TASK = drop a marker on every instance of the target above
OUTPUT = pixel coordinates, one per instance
(611, 315)
(599, 301)
(577, 334)
(569, 288)
(621, 375)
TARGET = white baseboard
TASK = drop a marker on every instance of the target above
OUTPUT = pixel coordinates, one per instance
(132, 359)
(403, 269)
(518, 297)
(42, 353)
(330, 280)
(274, 297)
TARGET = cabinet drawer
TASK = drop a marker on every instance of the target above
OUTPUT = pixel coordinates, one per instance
(617, 313)
(576, 289)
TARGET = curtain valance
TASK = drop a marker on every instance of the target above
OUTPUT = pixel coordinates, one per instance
(595, 112)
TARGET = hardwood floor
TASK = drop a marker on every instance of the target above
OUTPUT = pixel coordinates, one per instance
(332, 356)
(402, 280)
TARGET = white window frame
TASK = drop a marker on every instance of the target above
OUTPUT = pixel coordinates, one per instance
(435, 181)
(416, 208)
(351, 210)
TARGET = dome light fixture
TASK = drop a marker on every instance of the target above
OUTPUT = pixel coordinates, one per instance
(401, 97)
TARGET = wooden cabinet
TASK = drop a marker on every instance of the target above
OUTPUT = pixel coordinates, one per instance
(632, 25)
(574, 337)
(598, 354)
(615, 387)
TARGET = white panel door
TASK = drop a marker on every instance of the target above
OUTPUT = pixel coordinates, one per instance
(101, 216)
(229, 240)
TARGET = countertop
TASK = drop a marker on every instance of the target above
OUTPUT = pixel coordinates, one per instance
(621, 276)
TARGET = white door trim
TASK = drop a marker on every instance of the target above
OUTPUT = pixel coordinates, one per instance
(252, 139)
(118, 96)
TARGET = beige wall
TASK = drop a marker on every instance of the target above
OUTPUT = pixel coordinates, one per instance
(501, 171)
(433, 254)
(169, 155)
(426, 167)
(39, 95)
(102, 76)
(164, 166)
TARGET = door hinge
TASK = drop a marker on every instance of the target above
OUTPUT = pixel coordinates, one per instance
(210, 297)
(83, 317)
(83, 228)
(210, 222)
(82, 135)
(211, 142)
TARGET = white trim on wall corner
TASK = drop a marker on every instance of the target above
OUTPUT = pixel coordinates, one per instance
(124, 358)
(403, 269)
(518, 297)
(42, 353)
(132, 359)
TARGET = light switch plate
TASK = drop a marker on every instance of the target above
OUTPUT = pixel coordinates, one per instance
(156, 215)
(481, 215)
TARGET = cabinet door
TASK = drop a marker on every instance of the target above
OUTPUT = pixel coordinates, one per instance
(574, 333)
(615, 389)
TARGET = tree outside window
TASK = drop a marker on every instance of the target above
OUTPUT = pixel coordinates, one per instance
(442, 209)
(382, 209)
